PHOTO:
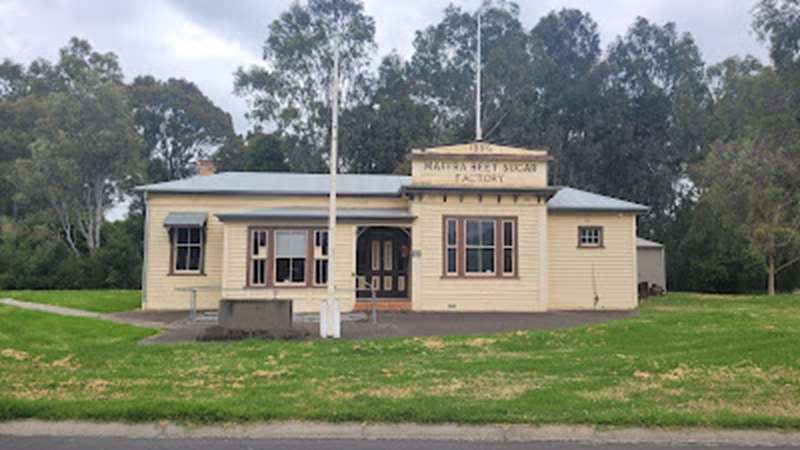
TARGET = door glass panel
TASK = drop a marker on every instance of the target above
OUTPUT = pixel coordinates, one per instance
(401, 283)
(387, 255)
(387, 282)
(376, 255)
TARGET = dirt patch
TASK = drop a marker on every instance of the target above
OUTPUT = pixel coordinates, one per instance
(14, 354)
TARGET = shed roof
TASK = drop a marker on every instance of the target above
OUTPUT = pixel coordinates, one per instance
(304, 184)
(644, 243)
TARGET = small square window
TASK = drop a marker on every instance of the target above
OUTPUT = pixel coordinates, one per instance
(590, 237)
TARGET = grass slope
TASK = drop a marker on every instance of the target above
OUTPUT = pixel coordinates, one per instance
(688, 360)
(102, 301)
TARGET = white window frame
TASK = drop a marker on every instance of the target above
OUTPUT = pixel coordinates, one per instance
(480, 247)
(291, 259)
(590, 236)
(188, 246)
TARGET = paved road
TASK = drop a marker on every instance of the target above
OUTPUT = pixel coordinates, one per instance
(88, 443)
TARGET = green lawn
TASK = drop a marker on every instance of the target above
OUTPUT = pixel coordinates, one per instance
(102, 301)
(688, 360)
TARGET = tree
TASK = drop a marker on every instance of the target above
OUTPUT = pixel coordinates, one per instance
(291, 92)
(23, 91)
(565, 47)
(178, 124)
(753, 176)
(85, 152)
(655, 107)
(778, 21)
(377, 135)
(443, 70)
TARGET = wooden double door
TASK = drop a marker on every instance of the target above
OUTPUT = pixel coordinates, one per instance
(382, 262)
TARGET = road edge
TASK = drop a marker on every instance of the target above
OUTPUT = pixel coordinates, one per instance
(409, 431)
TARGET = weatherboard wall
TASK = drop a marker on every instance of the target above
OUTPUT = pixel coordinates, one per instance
(577, 274)
(222, 275)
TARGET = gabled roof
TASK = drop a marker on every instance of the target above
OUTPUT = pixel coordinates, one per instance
(304, 184)
(571, 199)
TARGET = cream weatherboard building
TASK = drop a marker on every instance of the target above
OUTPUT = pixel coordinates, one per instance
(476, 227)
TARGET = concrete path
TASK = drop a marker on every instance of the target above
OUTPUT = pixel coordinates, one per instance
(72, 312)
(404, 432)
(100, 443)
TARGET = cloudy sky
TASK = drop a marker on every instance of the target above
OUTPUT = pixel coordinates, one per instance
(206, 40)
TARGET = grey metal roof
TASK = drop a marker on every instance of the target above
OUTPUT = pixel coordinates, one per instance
(274, 183)
(644, 243)
(319, 214)
(305, 184)
(186, 219)
(571, 199)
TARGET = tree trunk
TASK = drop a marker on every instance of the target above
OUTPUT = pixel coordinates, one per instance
(771, 275)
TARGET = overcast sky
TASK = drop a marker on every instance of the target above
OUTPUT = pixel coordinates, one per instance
(206, 40)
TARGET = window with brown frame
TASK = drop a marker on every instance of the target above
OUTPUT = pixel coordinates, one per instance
(187, 250)
(451, 247)
(508, 247)
(320, 257)
(590, 237)
(258, 257)
(291, 253)
(479, 246)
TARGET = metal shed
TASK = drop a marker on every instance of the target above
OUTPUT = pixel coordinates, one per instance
(650, 262)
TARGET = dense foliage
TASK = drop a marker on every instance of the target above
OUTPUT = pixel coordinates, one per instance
(713, 149)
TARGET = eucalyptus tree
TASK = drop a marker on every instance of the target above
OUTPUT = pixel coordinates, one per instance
(290, 91)
(178, 124)
(86, 150)
(377, 135)
(443, 69)
(655, 106)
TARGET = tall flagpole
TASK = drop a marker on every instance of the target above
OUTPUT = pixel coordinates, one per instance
(331, 316)
(478, 131)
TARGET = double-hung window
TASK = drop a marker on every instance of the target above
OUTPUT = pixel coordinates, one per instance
(320, 257)
(509, 255)
(258, 257)
(479, 246)
(451, 247)
(187, 251)
(590, 237)
(291, 249)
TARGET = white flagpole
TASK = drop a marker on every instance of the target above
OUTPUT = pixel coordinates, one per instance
(330, 323)
(478, 131)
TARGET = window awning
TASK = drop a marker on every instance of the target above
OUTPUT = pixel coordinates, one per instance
(185, 219)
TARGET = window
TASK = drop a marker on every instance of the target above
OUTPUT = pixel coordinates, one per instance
(291, 248)
(258, 258)
(187, 250)
(590, 237)
(508, 247)
(451, 247)
(479, 248)
(320, 257)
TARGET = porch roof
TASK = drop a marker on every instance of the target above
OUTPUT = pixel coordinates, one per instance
(345, 214)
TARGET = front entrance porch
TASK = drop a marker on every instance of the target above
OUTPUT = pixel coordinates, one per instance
(383, 268)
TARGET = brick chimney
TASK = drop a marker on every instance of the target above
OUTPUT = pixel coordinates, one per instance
(205, 167)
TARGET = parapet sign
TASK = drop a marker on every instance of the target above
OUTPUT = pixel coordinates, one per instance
(479, 165)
